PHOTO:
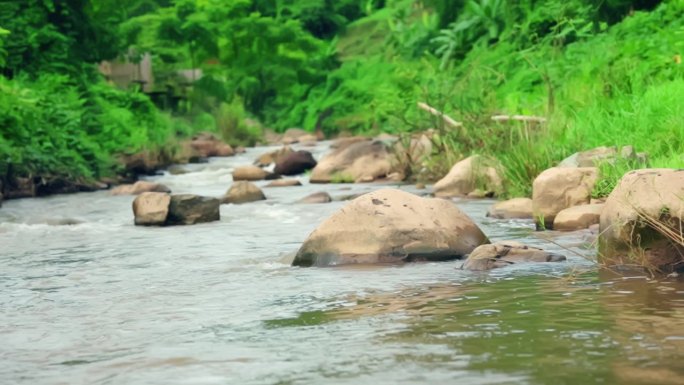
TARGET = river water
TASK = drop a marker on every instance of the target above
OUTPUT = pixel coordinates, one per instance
(88, 298)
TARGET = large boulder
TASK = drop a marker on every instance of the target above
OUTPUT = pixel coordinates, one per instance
(578, 217)
(151, 208)
(516, 208)
(273, 156)
(319, 197)
(391, 226)
(250, 173)
(360, 161)
(558, 188)
(501, 254)
(295, 163)
(243, 192)
(206, 144)
(188, 209)
(140, 187)
(466, 176)
(641, 223)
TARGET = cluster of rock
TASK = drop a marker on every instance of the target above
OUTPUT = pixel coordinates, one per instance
(639, 223)
(292, 136)
(196, 149)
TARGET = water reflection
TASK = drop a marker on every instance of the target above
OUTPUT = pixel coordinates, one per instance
(589, 328)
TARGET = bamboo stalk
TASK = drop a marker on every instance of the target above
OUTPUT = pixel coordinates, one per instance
(520, 118)
(447, 119)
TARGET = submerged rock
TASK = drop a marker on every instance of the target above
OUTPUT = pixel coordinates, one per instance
(501, 254)
(391, 226)
(151, 208)
(642, 210)
(251, 173)
(360, 161)
(558, 188)
(319, 197)
(468, 175)
(342, 143)
(140, 187)
(243, 192)
(284, 183)
(578, 217)
(188, 209)
(516, 208)
(295, 163)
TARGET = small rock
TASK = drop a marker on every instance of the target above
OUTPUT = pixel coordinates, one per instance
(319, 197)
(502, 254)
(177, 170)
(293, 135)
(395, 177)
(249, 173)
(516, 208)
(140, 187)
(188, 209)
(466, 175)
(295, 163)
(240, 150)
(558, 188)
(360, 161)
(589, 158)
(480, 194)
(348, 197)
(420, 186)
(577, 217)
(243, 192)
(284, 183)
(151, 208)
(307, 138)
(343, 143)
(273, 157)
(206, 144)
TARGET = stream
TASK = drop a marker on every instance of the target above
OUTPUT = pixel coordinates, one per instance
(86, 297)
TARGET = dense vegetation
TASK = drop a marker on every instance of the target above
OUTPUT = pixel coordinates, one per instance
(601, 73)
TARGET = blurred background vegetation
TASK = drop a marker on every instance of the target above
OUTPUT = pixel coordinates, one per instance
(600, 72)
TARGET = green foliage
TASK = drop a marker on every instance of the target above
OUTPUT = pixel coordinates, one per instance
(3, 53)
(49, 127)
(605, 73)
(230, 123)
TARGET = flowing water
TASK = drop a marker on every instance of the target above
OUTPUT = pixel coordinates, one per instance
(88, 298)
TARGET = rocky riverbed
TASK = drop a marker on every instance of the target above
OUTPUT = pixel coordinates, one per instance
(88, 297)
